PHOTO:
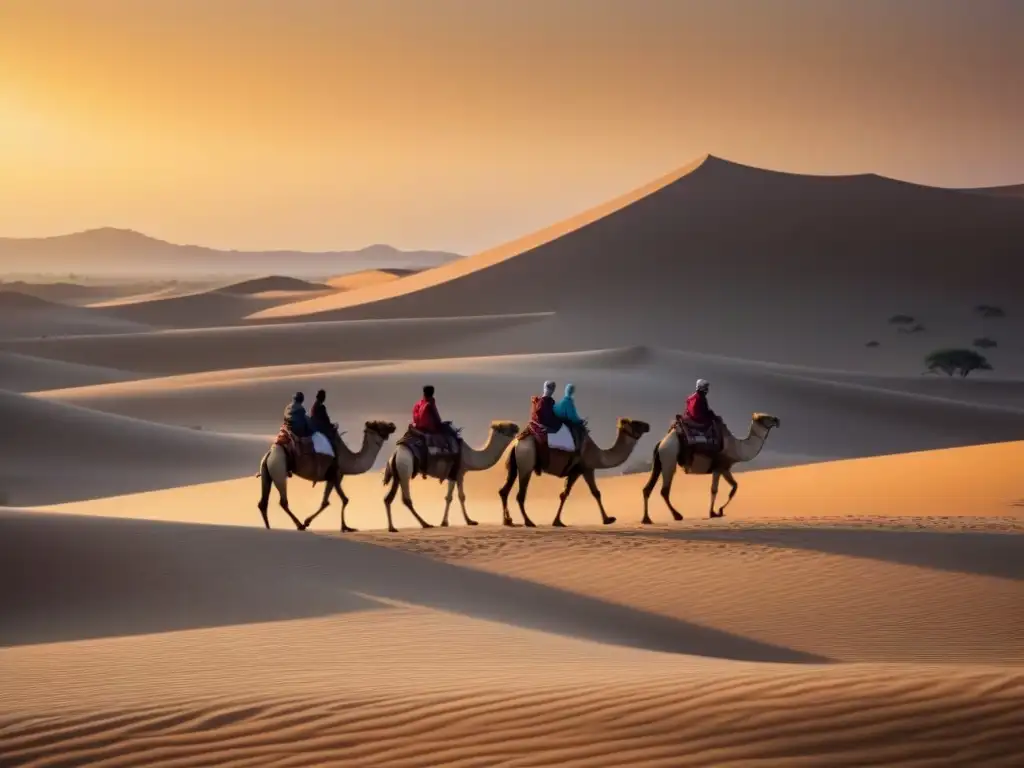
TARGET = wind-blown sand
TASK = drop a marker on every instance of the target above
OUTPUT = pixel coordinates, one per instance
(861, 604)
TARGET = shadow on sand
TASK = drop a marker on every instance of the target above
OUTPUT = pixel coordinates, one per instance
(66, 578)
(983, 554)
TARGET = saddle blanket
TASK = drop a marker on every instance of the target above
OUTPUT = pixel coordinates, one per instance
(322, 445)
(561, 440)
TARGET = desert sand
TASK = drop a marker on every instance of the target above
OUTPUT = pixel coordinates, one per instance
(862, 603)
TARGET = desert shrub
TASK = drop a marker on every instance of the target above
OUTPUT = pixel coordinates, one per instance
(901, 320)
(962, 361)
(872, 343)
(985, 343)
(917, 328)
(987, 310)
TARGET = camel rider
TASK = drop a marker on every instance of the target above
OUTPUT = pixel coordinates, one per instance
(427, 419)
(699, 413)
(565, 410)
(295, 417)
(320, 421)
(543, 411)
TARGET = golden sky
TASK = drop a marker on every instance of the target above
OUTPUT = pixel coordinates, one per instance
(458, 124)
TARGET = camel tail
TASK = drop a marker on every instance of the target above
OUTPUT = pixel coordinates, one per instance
(511, 463)
(263, 464)
(389, 470)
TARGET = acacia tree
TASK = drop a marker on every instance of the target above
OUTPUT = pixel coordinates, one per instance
(962, 361)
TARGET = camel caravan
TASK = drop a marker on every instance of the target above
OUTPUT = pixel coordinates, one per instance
(556, 442)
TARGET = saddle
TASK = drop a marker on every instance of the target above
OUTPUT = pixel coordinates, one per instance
(698, 438)
(552, 460)
(301, 454)
(425, 446)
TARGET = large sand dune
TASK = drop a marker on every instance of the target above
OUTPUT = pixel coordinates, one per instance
(702, 257)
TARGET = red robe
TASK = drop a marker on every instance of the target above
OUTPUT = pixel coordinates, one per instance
(425, 416)
(698, 411)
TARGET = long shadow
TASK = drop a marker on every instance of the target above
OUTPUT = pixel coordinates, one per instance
(65, 578)
(984, 554)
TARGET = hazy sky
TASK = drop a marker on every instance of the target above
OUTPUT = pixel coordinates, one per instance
(458, 124)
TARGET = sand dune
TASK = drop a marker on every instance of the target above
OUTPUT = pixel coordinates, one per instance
(23, 316)
(205, 349)
(817, 264)
(825, 416)
(20, 373)
(367, 278)
(53, 451)
(175, 644)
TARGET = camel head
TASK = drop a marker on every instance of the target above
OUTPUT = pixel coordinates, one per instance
(383, 429)
(633, 428)
(507, 429)
(765, 420)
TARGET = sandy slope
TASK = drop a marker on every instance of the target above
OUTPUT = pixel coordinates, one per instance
(177, 645)
(977, 484)
(21, 373)
(204, 349)
(54, 451)
(29, 317)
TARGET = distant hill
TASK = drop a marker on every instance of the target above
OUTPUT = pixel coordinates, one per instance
(111, 251)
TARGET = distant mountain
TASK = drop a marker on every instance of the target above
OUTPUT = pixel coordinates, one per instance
(110, 251)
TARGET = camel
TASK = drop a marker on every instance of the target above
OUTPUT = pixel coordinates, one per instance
(400, 470)
(667, 455)
(522, 460)
(274, 471)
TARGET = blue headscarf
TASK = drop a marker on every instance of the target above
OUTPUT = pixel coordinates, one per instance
(565, 409)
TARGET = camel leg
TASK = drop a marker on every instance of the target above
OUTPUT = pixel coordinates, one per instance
(448, 502)
(265, 485)
(344, 503)
(524, 486)
(727, 474)
(570, 481)
(591, 481)
(462, 501)
(332, 481)
(390, 496)
(403, 481)
(714, 492)
(522, 474)
(663, 469)
(274, 472)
